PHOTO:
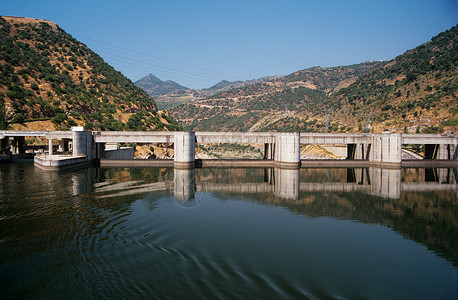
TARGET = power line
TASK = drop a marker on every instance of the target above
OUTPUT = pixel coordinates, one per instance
(192, 70)
(142, 62)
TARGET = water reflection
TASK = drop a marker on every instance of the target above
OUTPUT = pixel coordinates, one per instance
(282, 183)
(419, 203)
(259, 231)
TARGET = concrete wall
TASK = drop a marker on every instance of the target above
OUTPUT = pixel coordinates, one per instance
(121, 153)
(340, 151)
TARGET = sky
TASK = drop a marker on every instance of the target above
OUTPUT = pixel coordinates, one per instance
(199, 43)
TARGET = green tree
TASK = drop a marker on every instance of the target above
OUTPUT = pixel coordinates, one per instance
(18, 118)
(3, 123)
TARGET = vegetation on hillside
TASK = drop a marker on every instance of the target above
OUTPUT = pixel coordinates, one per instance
(241, 109)
(415, 92)
(418, 88)
(47, 74)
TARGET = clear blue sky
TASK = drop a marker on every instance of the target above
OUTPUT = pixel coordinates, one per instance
(198, 43)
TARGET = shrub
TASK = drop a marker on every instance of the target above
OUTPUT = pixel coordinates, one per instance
(18, 118)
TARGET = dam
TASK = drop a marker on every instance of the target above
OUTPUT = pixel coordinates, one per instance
(281, 149)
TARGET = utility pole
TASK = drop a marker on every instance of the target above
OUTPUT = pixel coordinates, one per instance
(327, 111)
(286, 108)
(366, 121)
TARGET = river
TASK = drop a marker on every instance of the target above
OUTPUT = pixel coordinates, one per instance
(161, 233)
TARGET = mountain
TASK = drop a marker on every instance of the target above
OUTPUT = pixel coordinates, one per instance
(156, 87)
(224, 84)
(167, 97)
(49, 80)
(415, 92)
(257, 103)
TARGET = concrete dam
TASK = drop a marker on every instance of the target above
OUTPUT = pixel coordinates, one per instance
(282, 150)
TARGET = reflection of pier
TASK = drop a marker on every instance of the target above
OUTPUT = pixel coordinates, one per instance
(286, 184)
(386, 183)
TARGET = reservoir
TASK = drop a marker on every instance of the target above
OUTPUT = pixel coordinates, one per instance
(222, 233)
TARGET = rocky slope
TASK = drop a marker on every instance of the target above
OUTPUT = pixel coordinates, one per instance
(49, 80)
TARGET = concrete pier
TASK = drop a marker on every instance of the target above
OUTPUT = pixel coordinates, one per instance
(83, 144)
(269, 152)
(386, 149)
(185, 152)
(287, 150)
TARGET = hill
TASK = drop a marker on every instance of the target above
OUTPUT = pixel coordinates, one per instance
(167, 98)
(415, 92)
(256, 104)
(49, 78)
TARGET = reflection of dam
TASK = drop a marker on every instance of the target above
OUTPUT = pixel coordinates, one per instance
(384, 183)
(283, 183)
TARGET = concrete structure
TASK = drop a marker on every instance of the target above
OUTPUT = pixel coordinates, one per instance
(185, 149)
(283, 149)
(123, 153)
(288, 150)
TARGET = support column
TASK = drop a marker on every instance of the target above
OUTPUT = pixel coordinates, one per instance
(288, 150)
(268, 151)
(65, 145)
(100, 148)
(82, 144)
(185, 152)
(351, 150)
(431, 151)
(362, 151)
(50, 150)
(18, 145)
(386, 149)
(447, 151)
(3, 144)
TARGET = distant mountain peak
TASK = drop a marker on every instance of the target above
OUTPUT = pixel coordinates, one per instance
(156, 87)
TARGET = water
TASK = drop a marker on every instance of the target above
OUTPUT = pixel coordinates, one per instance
(228, 233)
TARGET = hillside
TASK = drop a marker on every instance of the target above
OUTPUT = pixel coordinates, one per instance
(415, 92)
(49, 80)
(167, 96)
(255, 106)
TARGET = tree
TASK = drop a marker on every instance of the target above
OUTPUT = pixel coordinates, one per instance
(3, 123)
(18, 118)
